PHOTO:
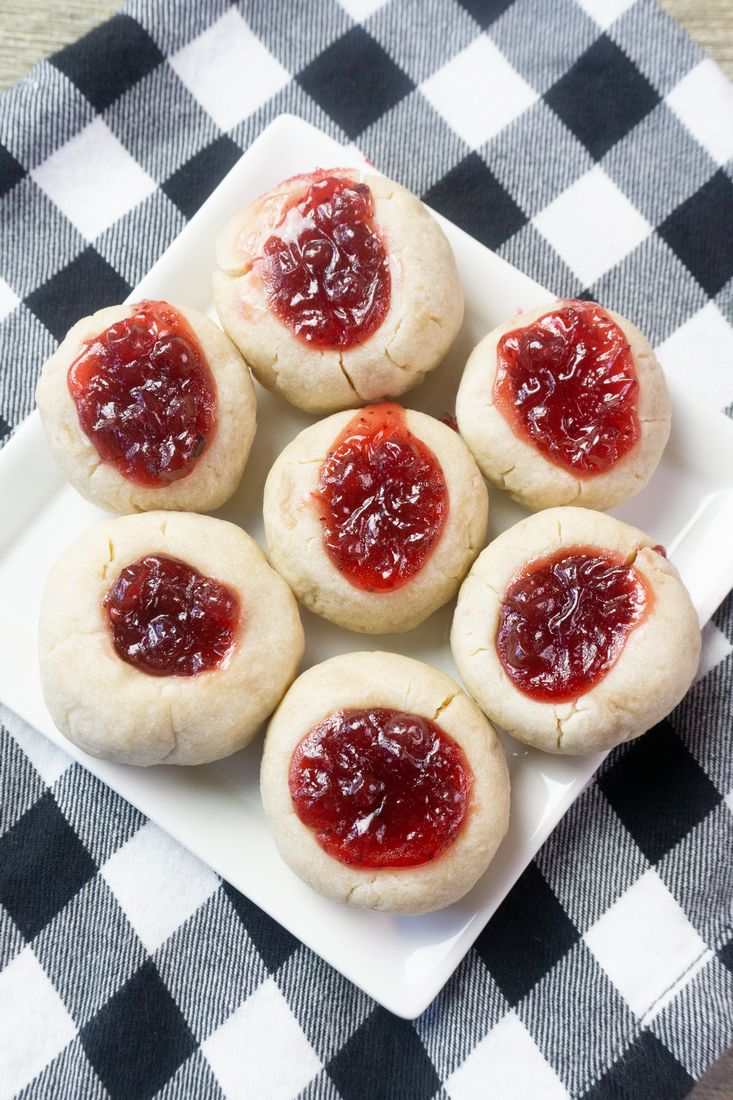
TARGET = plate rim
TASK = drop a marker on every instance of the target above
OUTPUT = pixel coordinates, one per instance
(413, 999)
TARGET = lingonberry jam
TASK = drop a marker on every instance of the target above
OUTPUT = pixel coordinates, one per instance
(382, 499)
(380, 788)
(167, 619)
(325, 267)
(567, 384)
(565, 619)
(145, 396)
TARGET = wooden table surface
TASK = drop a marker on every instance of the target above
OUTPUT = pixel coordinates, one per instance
(32, 29)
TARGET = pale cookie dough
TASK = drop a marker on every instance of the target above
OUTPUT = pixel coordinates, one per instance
(362, 680)
(513, 464)
(654, 670)
(295, 541)
(424, 315)
(108, 707)
(215, 475)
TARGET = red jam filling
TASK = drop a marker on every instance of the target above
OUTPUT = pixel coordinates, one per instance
(145, 396)
(168, 619)
(567, 384)
(380, 788)
(565, 619)
(325, 266)
(382, 499)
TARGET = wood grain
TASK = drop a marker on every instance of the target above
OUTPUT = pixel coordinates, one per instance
(32, 29)
(711, 23)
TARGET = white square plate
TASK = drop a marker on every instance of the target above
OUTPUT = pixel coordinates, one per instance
(215, 810)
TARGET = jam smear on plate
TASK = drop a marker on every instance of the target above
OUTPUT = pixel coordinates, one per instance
(382, 500)
(167, 619)
(566, 384)
(565, 619)
(380, 788)
(145, 396)
(325, 266)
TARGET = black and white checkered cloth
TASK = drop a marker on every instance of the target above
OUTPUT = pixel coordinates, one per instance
(590, 144)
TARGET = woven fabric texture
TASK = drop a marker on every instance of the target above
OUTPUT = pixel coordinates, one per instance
(590, 143)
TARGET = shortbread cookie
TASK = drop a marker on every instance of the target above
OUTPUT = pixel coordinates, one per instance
(374, 517)
(565, 404)
(384, 785)
(338, 288)
(149, 406)
(165, 638)
(574, 632)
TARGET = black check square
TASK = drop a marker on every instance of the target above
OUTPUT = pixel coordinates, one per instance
(43, 864)
(405, 1070)
(699, 233)
(659, 791)
(139, 1038)
(11, 172)
(527, 935)
(274, 943)
(471, 196)
(196, 179)
(109, 60)
(726, 955)
(486, 12)
(355, 81)
(602, 97)
(86, 284)
(646, 1070)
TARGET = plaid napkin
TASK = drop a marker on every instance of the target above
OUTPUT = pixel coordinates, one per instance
(588, 142)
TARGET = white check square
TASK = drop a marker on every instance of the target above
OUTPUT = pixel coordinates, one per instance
(478, 92)
(592, 225)
(699, 355)
(229, 71)
(34, 1023)
(506, 1063)
(605, 12)
(260, 1050)
(644, 942)
(158, 884)
(93, 179)
(48, 759)
(692, 100)
(359, 10)
(8, 300)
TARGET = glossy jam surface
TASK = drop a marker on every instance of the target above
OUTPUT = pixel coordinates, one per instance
(380, 788)
(168, 619)
(145, 396)
(382, 499)
(565, 619)
(325, 266)
(567, 384)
